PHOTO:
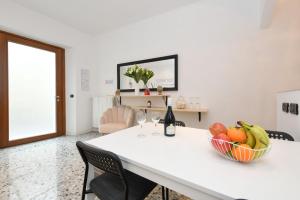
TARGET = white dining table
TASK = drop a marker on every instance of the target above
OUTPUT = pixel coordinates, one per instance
(188, 164)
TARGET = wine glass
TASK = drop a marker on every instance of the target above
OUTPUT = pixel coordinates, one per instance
(141, 119)
(197, 106)
(192, 102)
(155, 117)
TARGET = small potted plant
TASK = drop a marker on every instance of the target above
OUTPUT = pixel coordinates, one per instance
(136, 73)
(146, 76)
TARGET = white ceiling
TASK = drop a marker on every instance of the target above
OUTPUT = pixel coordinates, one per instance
(97, 16)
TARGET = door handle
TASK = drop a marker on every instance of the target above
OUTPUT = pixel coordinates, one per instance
(58, 98)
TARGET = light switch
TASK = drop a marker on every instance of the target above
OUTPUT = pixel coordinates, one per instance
(109, 81)
(285, 107)
(294, 108)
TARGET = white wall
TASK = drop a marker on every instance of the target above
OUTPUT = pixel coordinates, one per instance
(235, 67)
(79, 54)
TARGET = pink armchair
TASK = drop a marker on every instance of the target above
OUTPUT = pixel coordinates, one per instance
(116, 118)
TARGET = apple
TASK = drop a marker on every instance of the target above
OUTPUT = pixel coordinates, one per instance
(217, 128)
(220, 143)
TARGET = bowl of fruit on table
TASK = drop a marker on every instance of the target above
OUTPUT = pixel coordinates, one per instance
(243, 143)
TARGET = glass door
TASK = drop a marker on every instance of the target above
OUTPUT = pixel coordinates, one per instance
(33, 90)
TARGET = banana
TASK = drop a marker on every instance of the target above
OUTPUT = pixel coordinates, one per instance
(261, 137)
(265, 135)
(251, 141)
(259, 154)
(258, 132)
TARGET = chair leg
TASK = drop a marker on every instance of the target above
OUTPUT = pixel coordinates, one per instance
(84, 182)
(163, 192)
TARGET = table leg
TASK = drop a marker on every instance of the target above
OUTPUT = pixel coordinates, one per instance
(167, 194)
(91, 175)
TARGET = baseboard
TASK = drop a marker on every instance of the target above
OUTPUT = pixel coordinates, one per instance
(95, 129)
(82, 132)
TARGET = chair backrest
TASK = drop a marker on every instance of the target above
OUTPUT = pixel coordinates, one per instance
(177, 123)
(104, 160)
(119, 114)
(280, 135)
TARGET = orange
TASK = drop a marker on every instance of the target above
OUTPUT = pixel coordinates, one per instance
(243, 153)
(237, 135)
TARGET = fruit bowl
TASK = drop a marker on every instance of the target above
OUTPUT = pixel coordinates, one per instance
(238, 152)
(243, 142)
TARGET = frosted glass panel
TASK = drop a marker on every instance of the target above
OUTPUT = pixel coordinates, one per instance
(32, 83)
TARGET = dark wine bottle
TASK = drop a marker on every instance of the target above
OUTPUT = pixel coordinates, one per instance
(169, 124)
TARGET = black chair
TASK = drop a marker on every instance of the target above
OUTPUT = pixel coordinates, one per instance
(177, 123)
(280, 135)
(116, 183)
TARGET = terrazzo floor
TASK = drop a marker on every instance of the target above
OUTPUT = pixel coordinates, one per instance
(47, 170)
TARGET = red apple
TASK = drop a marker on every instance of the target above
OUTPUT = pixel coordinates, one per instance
(220, 143)
(217, 128)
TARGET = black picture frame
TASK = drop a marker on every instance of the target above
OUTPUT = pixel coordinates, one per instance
(175, 57)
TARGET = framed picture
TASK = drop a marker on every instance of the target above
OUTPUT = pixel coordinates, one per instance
(165, 74)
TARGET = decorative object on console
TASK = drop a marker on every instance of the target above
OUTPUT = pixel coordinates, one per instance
(117, 93)
(160, 90)
(146, 76)
(194, 103)
(116, 99)
(136, 73)
(181, 103)
(146, 91)
(165, 70)
(148, 104)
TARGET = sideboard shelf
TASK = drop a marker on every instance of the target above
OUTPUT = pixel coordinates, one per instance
(163, 109)
(145, 96)
(163, 96)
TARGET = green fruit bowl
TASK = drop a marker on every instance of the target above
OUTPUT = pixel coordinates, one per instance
(238, 152)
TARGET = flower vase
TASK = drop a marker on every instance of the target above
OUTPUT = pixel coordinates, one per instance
(136, 89)
(146, 91)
